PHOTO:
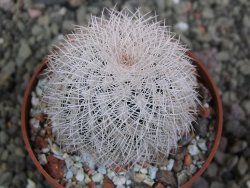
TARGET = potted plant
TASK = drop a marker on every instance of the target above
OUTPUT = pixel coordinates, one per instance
(121, 102)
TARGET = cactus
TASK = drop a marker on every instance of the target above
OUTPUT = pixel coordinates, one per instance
(121, 89)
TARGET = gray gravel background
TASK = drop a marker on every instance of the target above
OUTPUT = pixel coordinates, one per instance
(217, 30)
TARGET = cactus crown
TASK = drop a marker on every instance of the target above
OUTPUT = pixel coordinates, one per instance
(121, 89)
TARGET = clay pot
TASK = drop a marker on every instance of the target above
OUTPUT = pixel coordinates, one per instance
(203, 76)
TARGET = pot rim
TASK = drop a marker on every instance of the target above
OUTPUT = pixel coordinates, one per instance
(210, 84)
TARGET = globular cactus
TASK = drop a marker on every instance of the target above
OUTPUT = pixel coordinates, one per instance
(121, 89)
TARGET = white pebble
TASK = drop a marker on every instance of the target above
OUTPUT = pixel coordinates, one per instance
(176, 1)
(193, 150)
(42, 159)
(98, 177)
(149, 182)
(69, 175)
(111, 174)
(69, 162)
(119, 180)
(80, 175)
(128, 182)
(34, 99)
(45, 150)
(139, 177)
(202, 144)
(170, 164)
(102, 170)
(183, 26)
(1, 40)
(152, 172)
(56, 150)
(137, 168)
(144, 170)
(78, 165)
(30, 184)
(87, 179)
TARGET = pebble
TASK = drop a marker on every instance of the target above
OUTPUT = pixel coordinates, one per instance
(202, 144)
(193, 150)
(152, 172)
(42, 159)
(80, 175)
(56, 150)
(200, 183)
(149, 182)
(242, 166)
(119, 180)
(30, 184)
(166, 178)
(187, 160)
(138, 177)
(183, 26)
(102, 170)
(69, 175)
(98, 177)
(170, 164)
(182, 177)
(212, 170)
(69, 162)
(216, 184)
(143, 170)
(24, 51)
(238, 146)
(3, 138)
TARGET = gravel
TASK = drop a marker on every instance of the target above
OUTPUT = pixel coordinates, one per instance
(217, 30)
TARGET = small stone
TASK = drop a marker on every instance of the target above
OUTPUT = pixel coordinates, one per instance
(200, 183)
(119, 180)
(152, 172)
(69, 162)
(40, 142)
(159, 185)
(80, 175)
(3, 138)
(216, 184)
(202, 144)
(78, 165)
(98, 177)
(75, 3)
(34, 13)
(223, 56)
(237, 112)
(87, 179)
(102, 170)
(187, 160)
(107, 183)
(139, 177)
(182, 26)
(166, 178)
(111, 174)
(212, 170)
(143, 170)
(246, 106)
(204, 111)
(185, 140)
(182, 177)
(136, 168)
(42, 159)
(24, 50)
(232, 161)
(56, 150)
(248, 184)
(31, 184)
(170, 164)
(242, 166)
(193, 169)
(193, 150)
(239, 146)
(40, 117)
(44, 20)
(1, 40)
(69, 175)
(201, 128)
(55, 170)
(149, 182)
(178, 166)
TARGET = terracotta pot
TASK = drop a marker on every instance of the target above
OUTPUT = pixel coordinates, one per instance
(204, 77)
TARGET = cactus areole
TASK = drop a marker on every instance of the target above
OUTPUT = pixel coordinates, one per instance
(122, 89)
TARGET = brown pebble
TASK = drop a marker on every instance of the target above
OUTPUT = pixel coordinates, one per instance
(107, 183)
(204, 111)
(41, 117)
(118, 168)
(178, 166)
(55, 170)
(91, 184)
(48, 131)
(41, 142)
(52, 159)
(159, 185)
(187, 160)
(166, 178)
(64, 183)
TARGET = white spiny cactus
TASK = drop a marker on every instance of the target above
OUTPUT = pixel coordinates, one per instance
(121, 89)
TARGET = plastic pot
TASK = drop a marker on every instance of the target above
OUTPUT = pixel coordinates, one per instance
(204, 77)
